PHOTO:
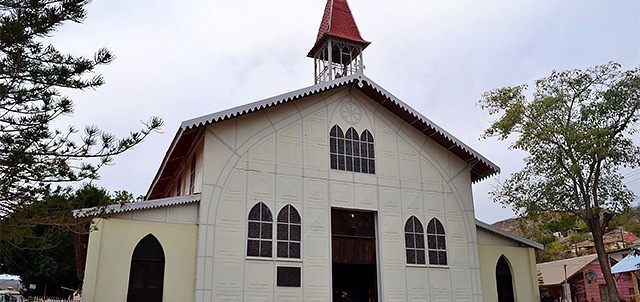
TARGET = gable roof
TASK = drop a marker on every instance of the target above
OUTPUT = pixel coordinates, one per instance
(337, 21)
(509, 235)
(190, 130)
(137, 206)
(553, 272)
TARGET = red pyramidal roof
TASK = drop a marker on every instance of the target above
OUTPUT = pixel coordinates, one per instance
(338, 21)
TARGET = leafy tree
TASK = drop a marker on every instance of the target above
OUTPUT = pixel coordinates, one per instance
(34, 156)
(44, 255)
(576, 129)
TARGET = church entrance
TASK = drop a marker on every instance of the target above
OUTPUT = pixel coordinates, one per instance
(504, 281)
(353, 237)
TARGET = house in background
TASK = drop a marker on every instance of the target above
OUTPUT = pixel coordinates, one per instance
(583, 277)
(617, 239)
(335, 188)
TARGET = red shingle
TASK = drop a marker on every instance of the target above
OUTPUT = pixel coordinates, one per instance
(338, 21)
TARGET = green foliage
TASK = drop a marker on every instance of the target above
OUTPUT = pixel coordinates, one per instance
(33, 155)
(577, 131)
(553, 251)
(44, 254)
(629, 220)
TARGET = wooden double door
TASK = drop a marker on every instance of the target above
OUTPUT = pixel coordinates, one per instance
(353, 237)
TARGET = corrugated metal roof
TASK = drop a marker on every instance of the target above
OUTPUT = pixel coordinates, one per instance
(137, 206)
(553, 272)
(481, 167)
(509, 235)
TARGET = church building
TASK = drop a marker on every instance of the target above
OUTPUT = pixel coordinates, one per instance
(337, 189)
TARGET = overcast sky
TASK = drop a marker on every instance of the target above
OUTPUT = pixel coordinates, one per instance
(180, 59)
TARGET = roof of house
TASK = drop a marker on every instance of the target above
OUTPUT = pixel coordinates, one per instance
(553, 272)
(137, 206)
(191, 130)
(509, 235)
(617, 235)
(337, 21)
(631, 263)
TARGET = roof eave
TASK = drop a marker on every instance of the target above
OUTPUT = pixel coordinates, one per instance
(509, 235)
(480, 167)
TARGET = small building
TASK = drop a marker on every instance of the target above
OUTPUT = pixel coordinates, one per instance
(617, 239)
(581, 278)
(337, 188)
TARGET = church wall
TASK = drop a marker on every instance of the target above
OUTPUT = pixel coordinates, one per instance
(280, 156)
(111, 246)
(522, 261)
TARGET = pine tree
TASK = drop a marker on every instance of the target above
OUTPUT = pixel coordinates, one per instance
(34, 156)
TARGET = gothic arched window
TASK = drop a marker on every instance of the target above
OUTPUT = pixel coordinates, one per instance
(367, 153)
(260, 231)
(414, 241)
(289, 233)
(351, 151)
(436, 243)
(146, 276)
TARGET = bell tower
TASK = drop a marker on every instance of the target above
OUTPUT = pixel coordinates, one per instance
(338, 48)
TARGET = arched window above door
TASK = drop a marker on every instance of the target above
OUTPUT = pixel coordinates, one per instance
(351, 151)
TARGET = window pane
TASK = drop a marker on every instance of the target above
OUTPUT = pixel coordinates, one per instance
(295, 233)
(349, 162)
(411, 256)
(334, 162)
(356, 148)
(333, 145)
(294, 216)
(266, 231)
(341, 162)
(439, 227)
(334, 131)
(431, 241)
(255, 212)
(419, 241)
(253, 248)
(265, 248)
(254, 229)
(283, 216)
(420, 257)
(431, 227)
(283, 250)
(349, 147)
(433, 257)
(408, 227)
(283, 231)
(364, 165)
(340, 146)
(370, 152)
(294, 250)
(418, 226)
(266, 214)
(356, 164)
(364, 150)
(372, 167)
(441, 243)
(408, 239)
(442, 258)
